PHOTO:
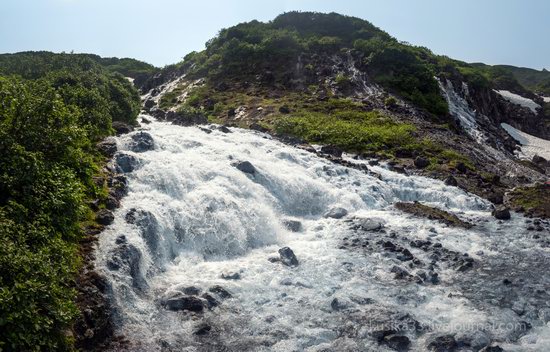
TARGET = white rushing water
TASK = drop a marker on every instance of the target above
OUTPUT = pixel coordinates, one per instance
(519, 100)
(199, 217)
(458, 107)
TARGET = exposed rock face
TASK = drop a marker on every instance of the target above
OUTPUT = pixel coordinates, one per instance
(446, 343)
(128, 258)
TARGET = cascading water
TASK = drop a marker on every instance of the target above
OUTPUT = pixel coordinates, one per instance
(198, 222)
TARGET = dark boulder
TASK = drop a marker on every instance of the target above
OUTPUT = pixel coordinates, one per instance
(107, 147)
(421, 162)
(224, 129)
(145, 120)
(336, 213)
(220, 292)
(400, 273)
(126, 162)
(539, 160)
(158, 113)
(445, 343)
(451, 181)
(245, 166)
(288, 257)
(149, 103)
(202, 329)
(491, 349)
(122, 127)
(142, 142)
(397, 342)
(501, 213)
(293, 225)
(211, 302)
(105, 217)
(332, 150)
(179, 301)
(112, 203)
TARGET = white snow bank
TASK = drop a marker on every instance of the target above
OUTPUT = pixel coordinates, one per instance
(530, 145)
(519, 100)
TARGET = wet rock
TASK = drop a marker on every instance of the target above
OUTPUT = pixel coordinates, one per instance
(501, 213)
(331, 150)
(211, 302)
(432, 213)
(421, 162)
(400, 273)
(202, 329)
(190, 290)
(231, 112)
(363, 224)
(451, 181)
(118, 186)
(180, 301)
(127, 257)
(149, 103)
(397, 342)
(107, 147)
(293, 225)
(336, 213)
(288, 257)
(445, 343)
(492, 349)
(121, 127)
(145, 120)
(224, 129)
(158, 113)
(245, 166)
(231, 276)
(112, 203)
(142, 142)
(148, 225)
(105, 217)
(126, 162)
(539, 160)
(337, 304)
(220, 291)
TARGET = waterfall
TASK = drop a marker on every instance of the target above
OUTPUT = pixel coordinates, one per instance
(206, 216)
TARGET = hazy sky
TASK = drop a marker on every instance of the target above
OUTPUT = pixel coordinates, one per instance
(161, 32)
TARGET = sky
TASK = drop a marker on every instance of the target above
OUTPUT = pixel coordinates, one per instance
(161, 32)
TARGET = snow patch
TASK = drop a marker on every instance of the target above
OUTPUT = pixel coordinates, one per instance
(519, 100)
(530, 145)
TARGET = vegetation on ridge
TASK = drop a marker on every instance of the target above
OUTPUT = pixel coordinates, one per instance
(48, 128)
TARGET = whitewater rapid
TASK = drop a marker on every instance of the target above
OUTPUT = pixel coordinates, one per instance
(202, 218)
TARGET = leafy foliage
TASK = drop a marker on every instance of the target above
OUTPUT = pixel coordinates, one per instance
(48, 127)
